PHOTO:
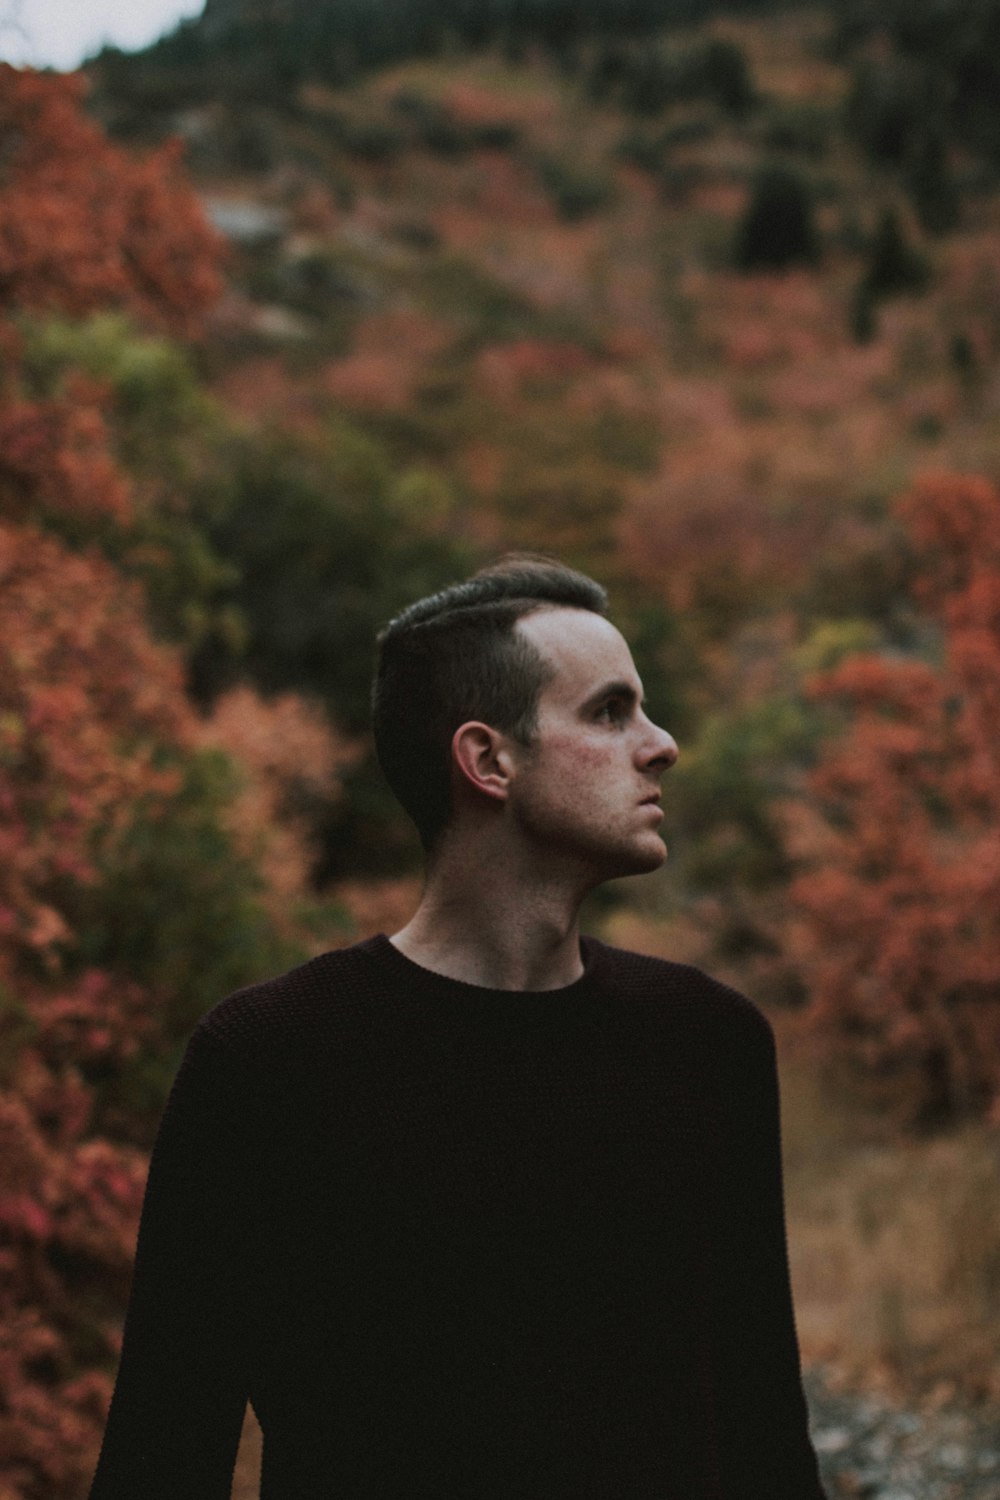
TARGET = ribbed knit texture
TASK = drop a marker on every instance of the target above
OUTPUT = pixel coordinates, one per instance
(467, 1244)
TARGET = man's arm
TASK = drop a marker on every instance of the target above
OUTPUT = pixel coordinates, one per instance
(761, 1403)
(180, 1396)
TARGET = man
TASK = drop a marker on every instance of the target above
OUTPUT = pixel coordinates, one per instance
(484, 1210)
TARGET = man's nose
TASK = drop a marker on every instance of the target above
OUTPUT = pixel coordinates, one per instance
(662, 752)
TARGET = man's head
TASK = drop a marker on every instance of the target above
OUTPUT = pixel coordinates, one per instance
(458, 656)
(511, 698)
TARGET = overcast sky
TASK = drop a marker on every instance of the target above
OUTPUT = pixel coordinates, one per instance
(61, 33)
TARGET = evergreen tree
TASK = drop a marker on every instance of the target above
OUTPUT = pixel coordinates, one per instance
(725, 75)
(895, 266)
(931, 184)
(778, 228)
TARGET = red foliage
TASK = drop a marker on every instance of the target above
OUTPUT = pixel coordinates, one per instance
(86, 225)
(505, 371)
(68, 1213)
(290, 760)
(54, 457)
(87, 698)
(901, 936)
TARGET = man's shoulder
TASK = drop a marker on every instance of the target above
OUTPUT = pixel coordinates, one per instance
(299, 1005)
(680, 988)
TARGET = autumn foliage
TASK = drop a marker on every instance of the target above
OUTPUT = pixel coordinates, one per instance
(88, 704)
(290, 761)
(87, 699)
(901, 908)
(55, 459)
(86, 225)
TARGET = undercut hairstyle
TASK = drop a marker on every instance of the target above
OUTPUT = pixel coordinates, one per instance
(456, 656)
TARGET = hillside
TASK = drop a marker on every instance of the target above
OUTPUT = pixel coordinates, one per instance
(457, 249)
(658, 307)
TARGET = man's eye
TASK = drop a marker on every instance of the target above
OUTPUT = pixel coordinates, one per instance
(614, 712)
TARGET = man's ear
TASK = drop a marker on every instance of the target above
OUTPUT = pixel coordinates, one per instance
(482, 756)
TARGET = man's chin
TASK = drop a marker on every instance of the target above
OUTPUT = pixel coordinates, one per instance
(644, 858)
(657, 858)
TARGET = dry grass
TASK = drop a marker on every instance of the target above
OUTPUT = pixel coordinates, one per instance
(895, 1247)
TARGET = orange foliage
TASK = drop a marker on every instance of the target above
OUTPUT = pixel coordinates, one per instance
(87, 700)
(403, 330)
(476, 101)
(85, 696)
(291, 760)
(54, 457)
(68, 1213)
(483, 465)
(378, 905)
(706, 542)
(263, 388)
(86, 225)
(315, 210)
(380, 382)
(506, 371)
(391, 353)
(509, 194)
(972, 296)
(900, 914)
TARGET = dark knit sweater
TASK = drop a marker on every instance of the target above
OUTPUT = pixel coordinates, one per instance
(467, 1244)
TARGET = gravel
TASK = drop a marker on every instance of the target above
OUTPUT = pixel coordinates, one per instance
(871, 1449)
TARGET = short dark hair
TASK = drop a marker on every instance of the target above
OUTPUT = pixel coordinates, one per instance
(456, 656)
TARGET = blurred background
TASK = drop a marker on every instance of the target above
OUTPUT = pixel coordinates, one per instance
(306, 310)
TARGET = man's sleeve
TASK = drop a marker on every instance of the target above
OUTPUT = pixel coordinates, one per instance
(180, 1396)
(762, 1408)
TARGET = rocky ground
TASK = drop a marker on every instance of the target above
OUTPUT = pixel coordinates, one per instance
(871, 1449)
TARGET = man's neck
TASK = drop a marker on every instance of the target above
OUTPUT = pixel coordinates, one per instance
(499, 933)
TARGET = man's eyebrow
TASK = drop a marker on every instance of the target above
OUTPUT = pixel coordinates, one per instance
(622, 689)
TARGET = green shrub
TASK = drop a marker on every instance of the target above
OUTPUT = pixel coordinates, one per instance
(688, 131)
(864, 314)
(176, 906)
(608, 67)
(418, 234)
(651, 82)
(886, 108)
(895, 265)
(931, 183)
(641, 149)
(804, 129)
(373, 140)
(719, 70)
(325, 550)
(446, 137)
(576, 191)
(496, 135)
